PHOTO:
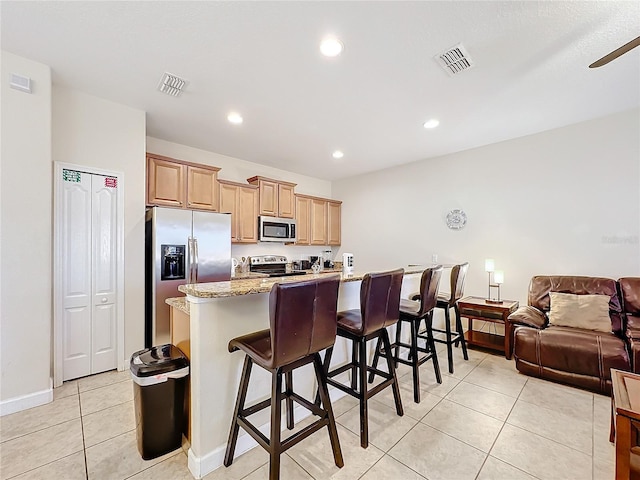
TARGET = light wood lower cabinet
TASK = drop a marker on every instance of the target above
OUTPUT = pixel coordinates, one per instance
(241, 201)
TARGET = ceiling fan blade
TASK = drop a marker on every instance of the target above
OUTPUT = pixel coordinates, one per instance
(616, 53)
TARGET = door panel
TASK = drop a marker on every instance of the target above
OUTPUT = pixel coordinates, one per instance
(76, 288)
(104, 217)
(212, 233)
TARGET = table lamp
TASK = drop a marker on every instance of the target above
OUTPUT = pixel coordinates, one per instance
(498, 279)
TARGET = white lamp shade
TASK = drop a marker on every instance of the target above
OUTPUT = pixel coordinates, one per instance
(498, 277)
(489, 265)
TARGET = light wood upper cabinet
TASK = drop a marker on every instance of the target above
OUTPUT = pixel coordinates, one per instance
(165, 182)
(241, 201)
(318, 222)
(174, 183)
(276, 197)
(202, 188)
(286, 200)
(334, 214)
(303, 219)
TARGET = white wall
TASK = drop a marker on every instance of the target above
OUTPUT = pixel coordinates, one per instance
(98, 133)
(565, 201)
(238, 170)
(25, 239)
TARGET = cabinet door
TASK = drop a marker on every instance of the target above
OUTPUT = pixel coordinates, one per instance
(334, 214)
(248, 215)
(303, 219)
(202, 188)
(165, 183)
(318, 222)
(268, 198)
(286, 202)
(229, 204)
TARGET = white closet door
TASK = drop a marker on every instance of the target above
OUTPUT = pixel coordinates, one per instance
(77, 281)
(104, 213)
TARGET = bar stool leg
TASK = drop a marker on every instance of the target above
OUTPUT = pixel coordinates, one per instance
(414, 362)
(364, 411)
(449, 342)
(376, 357)
(275, 446)
(323, 393)
(325, 366)
(463, 342)
(432, 346)
(288, 378)
(242, 395)
(398, 336)
(392, 371)
(354, 366)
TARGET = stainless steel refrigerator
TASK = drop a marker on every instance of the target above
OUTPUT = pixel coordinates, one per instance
(181, 246)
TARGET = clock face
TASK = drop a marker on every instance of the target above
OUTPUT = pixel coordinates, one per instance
(456, 219)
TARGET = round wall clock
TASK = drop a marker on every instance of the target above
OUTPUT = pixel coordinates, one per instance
(456, 219)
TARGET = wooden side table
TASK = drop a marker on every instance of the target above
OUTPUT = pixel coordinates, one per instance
(477, 308)
(625, 409)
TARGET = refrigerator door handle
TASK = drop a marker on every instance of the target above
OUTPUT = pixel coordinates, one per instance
(195, 261)
(191, 255)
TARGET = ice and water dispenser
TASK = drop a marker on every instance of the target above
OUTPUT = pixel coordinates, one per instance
(172, 262)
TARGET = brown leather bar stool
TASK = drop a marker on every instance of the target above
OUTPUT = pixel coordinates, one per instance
(413, 312)
(302, 318)
(379, 308)
(447, 301)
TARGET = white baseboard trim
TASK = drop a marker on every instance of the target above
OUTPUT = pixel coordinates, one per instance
(17, 404)
(202, 466)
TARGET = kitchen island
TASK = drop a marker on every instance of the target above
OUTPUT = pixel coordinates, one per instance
(220, 311)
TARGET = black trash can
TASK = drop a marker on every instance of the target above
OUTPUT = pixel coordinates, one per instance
(159, 377)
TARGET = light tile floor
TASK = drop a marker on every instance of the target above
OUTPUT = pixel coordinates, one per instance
(486, 421)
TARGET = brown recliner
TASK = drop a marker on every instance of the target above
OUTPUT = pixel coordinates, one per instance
(630, 291)
(574, 356)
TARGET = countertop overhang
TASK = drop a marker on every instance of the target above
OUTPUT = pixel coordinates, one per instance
(251, 286)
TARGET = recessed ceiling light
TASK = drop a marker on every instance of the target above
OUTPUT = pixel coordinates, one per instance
(234, 118)
(433, 123)
(338, 154)
(331, 47)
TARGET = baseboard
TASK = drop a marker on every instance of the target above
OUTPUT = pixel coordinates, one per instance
(17, 404)
(202, 466)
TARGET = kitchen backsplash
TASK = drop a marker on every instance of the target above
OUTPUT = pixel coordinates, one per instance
(292, 252)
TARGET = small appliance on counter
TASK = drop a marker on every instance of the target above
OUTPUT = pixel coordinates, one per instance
(326, 256)
(272, 265)
(347, 263)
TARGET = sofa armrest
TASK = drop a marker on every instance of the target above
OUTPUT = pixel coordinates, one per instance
(528, 316)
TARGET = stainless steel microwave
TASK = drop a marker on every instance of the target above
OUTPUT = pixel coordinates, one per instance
(274, 229)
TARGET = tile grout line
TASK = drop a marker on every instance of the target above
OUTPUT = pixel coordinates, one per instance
(84, 446)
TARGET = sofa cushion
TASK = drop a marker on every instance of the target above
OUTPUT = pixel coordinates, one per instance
(584, 352)
(590, 312)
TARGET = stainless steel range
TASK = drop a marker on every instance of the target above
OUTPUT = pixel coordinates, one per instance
(272, 265)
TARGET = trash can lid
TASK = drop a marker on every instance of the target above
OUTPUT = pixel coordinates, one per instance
(157, 360)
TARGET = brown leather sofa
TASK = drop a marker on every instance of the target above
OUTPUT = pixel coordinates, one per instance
(570, 355)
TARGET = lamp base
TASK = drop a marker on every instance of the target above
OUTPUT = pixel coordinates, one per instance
(489, 300)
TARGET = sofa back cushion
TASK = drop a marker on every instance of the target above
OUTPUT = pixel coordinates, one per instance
(630, 288)
(590, 312)
(542, 285)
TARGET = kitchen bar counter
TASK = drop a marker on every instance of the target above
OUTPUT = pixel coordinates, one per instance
(221, 311)
(251, 286)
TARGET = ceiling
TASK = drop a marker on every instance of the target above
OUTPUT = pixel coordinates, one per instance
(262, 59)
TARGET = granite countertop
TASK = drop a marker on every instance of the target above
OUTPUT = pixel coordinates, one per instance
(263, 285)
(179, 303)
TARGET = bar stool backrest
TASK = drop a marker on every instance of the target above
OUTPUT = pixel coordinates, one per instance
(380, 300)
(429, 284)
(458, 276)
(303, 318)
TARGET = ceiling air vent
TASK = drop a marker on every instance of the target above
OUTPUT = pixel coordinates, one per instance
(455, 60)
(171, 84)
